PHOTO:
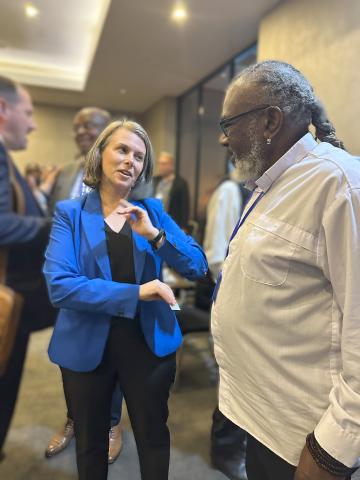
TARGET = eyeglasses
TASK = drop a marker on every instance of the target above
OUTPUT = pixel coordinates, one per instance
(226, 123)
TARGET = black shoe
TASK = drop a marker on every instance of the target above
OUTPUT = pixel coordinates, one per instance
(233, 468)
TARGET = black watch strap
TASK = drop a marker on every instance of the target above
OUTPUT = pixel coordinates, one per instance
(158, 237)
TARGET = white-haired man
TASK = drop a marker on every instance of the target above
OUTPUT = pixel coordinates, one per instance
(285, 317)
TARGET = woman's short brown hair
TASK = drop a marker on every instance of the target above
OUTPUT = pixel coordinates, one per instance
(93, 168)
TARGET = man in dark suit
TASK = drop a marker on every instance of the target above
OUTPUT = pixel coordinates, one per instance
(172, 190)
(22, 236)
(87, 124)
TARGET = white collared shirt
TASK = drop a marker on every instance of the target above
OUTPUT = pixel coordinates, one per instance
(286, 322)
(79, 188)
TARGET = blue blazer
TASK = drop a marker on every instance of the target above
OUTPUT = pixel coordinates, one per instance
(78, 275)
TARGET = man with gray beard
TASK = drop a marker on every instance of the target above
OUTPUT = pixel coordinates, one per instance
(285, 317)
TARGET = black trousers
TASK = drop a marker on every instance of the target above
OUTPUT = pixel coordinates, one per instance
(10, 382)
(145, 381)
(116, 406)
(263, 464)
(227, 439)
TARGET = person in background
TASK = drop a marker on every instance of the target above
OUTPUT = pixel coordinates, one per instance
(23, 236)
(33, 175)
(172, 190)
(222, 214)
(41, 181)
(285, 317)
(228, 441)
(88, 123)
(103, 270)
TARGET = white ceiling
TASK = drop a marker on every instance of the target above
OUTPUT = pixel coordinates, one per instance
(87, 52)
(56, 48)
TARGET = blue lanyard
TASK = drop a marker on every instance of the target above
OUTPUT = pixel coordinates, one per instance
(236, 229)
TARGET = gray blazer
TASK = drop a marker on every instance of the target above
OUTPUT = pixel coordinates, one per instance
(64, 184)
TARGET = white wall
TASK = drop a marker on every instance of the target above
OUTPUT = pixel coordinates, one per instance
(322, 39)
(52, 142)
(160, 123)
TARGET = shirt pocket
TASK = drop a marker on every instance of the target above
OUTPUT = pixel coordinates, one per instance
(267, 252)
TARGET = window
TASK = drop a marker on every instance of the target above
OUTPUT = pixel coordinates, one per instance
(201, 160)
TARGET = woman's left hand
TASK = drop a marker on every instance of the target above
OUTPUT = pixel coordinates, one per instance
(138, 219)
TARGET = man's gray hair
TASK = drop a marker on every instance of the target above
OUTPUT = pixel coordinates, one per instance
(93, 162)
(281, 84)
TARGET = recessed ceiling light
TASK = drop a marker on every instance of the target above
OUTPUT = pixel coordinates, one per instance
(31, 11)
(122, 91)
(179, 13)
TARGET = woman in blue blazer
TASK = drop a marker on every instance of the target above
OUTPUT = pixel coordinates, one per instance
(103, 270)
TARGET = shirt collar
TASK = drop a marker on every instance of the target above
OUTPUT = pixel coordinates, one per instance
(296, 153)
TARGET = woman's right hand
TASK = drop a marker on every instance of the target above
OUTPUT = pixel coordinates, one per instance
(157, 290)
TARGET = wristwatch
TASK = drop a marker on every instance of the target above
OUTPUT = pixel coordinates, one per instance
(158, 237)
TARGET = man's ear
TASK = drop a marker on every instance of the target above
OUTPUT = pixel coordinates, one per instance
(273, 123)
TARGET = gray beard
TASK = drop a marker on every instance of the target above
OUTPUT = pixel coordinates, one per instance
(250, 166)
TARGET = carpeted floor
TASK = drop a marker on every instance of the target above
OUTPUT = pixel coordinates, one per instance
(41, 412)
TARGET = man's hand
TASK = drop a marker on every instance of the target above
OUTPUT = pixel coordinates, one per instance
(156, 290)
(49, 178)
(309, 470)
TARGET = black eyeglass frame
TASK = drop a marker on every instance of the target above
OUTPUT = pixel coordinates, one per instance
(225, 123)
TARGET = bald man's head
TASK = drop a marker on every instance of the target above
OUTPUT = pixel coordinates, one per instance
(166, 165)
(88, 123)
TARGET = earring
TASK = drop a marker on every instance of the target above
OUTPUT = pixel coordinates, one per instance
(268, 141)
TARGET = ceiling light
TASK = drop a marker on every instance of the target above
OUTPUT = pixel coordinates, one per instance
(122, 91)
(31, 11)
(179, 13)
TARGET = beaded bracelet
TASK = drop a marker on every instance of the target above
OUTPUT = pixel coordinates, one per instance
(326, 461)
